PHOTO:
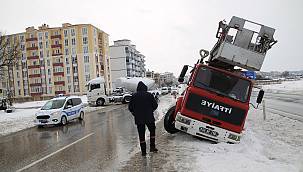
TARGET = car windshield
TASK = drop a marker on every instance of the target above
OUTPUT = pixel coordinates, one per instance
(53, 104)
(222, 84)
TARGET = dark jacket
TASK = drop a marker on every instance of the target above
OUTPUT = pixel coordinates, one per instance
(142, 105)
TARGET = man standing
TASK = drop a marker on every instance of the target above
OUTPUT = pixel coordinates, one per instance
(142, 106)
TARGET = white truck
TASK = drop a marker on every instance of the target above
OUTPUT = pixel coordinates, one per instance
(96, 94)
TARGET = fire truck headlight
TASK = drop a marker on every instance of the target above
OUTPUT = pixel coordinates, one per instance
(183, 120)
(234, 137)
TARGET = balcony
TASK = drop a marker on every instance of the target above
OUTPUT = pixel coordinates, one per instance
(58, 73)
(36, 94)
(59, 83)
(31, 39)
(34, 76)
(56, 36)
(57, 54)
(60, 92)
(32, 48)
(33, 66)
(58, 64)
(32, 57)
(57, 46)
(35, 84)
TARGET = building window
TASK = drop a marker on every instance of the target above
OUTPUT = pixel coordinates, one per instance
(73, 41)
(66, 51)
(85, 50)
(65, 33)
(66, 60)
(40, 35)
(56, 42)
(95, 32)
(85, 40)
(46, 44)
(41, 54)
(46, 35)
(72, 32)
(87, 78)
(48, 71)
(73, 51)
(84, 31)
(21, 38)
(56, 32)
(86, 59)
(66, 42)
(40, 45)
(68, 79)
(68, 70)
(86, 68)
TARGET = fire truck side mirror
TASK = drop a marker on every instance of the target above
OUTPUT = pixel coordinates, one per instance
(260, 96)
(182, 74)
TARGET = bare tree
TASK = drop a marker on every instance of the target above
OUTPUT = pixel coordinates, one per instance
(9, 58)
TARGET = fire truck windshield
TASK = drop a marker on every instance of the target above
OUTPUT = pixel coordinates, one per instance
(222, 84)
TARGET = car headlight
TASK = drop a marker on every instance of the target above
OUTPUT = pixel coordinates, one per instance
(55, 113)
(234, 137)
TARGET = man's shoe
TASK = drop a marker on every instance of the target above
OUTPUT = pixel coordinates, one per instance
(143, 153)
(153, 149)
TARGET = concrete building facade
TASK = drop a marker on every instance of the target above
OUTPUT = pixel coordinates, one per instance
(126, 60)
(59, 60)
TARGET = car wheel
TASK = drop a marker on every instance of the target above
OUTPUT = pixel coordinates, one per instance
(63, 120)
(169, 124)
(81, 117)
(100, 102)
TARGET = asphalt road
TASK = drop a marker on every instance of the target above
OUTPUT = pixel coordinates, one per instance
(102, 142)
(286, 103)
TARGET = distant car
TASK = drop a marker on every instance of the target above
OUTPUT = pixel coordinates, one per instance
(174, 91)
(60, 110)
(164, 90)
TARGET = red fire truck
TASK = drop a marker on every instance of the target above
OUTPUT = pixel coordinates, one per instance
(215, 104)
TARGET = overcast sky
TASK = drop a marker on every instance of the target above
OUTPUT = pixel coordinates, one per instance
(169, 33)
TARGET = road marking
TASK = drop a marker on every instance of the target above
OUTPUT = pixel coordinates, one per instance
(33, 163)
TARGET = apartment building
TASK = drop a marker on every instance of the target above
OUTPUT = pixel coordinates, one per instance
(59, 60)
(126, 60)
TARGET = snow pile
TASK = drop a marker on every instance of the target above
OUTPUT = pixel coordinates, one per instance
(16, 121)
(165, 103)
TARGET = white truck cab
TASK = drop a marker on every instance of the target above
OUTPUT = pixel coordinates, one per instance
(60, 110)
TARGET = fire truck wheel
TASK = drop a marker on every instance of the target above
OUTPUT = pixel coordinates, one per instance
(169, 124)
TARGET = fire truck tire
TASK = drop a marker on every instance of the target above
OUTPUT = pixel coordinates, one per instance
(169, 124)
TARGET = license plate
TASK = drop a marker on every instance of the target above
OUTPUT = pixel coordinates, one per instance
(208, 131)
(43, 121)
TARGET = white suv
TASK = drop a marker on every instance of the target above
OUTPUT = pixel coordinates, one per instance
(60, 110)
